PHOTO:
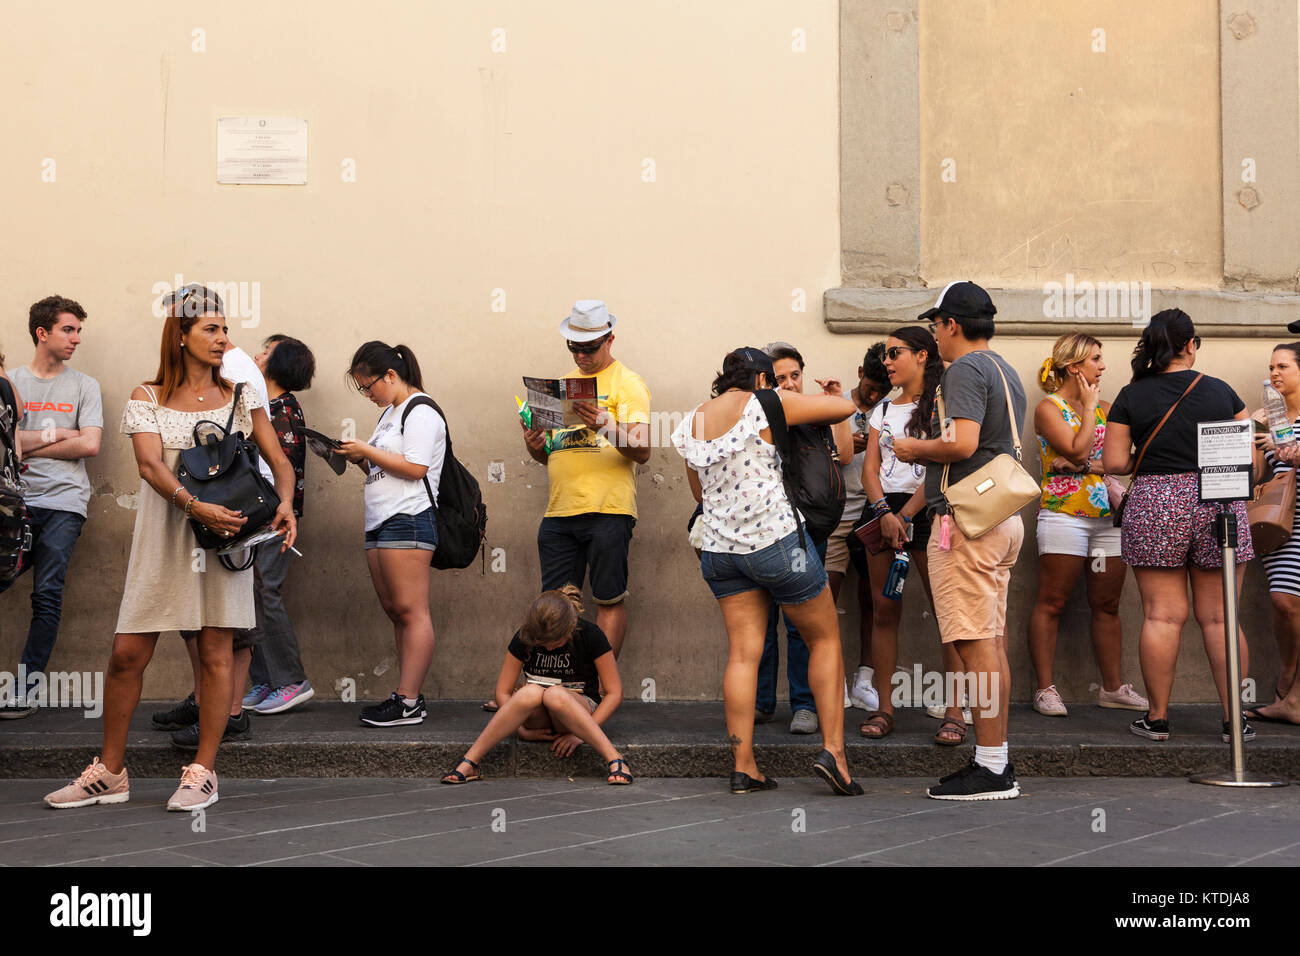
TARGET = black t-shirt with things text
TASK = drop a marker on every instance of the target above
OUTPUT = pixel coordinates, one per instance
(574, 663)
(1140, 405)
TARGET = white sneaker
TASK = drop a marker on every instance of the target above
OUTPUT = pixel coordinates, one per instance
(848, 701)
(863, 695)
(1048, 702)
(1126, 698)
(938, 711)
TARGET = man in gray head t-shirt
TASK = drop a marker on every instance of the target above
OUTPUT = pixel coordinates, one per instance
(61, 426)
(970, 577)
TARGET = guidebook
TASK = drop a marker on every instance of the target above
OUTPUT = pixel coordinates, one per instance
(551, 400)
(326, 448)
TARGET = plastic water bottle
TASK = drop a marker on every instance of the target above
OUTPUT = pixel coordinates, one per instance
(897, 576)
(1280, 428)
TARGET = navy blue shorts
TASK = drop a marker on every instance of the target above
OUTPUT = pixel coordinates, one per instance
(406, 531)
(789, 573)
(567, 547)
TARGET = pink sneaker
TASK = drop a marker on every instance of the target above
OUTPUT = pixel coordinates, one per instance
(1126, 698)
(198, 789)
(95, 785)
(1048, 702)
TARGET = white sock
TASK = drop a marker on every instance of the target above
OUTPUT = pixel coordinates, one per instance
(408, 702)
(993, 759)
(865, 675)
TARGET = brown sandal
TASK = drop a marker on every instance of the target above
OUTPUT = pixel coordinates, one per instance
(878, 725)
(951, 725)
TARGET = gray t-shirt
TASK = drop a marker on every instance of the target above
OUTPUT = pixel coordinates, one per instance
(972, 389)
(69, 400)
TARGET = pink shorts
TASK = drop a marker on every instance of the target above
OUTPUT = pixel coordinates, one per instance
(1166, 526)
(971, 580)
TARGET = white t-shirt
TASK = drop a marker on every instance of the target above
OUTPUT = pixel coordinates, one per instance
(423, 442)
(238, 366)
(896, 477)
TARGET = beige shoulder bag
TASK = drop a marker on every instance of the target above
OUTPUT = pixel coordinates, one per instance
(993, 493)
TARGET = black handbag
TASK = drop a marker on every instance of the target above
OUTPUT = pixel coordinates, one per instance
(223, 471)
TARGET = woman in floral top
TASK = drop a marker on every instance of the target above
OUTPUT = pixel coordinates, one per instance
(279, 681)
(1076, 535)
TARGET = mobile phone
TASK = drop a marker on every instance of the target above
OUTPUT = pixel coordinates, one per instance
(1260, 427)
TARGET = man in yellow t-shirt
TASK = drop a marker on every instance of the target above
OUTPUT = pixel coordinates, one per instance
(592, 470)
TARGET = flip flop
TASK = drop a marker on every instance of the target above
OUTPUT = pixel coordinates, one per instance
(1252, 713)
(951, 725)
(491, 706)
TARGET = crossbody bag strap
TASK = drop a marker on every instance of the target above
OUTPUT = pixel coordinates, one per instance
(1150, 438)
(1011, 418)
(234, 404)
(774, 412)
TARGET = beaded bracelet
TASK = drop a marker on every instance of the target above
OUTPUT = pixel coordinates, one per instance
(880, 507)
(189, 504)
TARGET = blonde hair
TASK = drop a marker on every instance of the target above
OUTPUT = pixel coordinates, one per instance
(552, 617)
(1069, 348)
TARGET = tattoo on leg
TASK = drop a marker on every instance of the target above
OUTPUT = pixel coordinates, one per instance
(735, 741)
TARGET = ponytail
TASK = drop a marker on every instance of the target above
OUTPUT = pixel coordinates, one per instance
(375, 359)
(1167, 335)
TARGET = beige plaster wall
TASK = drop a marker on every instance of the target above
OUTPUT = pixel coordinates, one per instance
(521, 171)
(1064, 158)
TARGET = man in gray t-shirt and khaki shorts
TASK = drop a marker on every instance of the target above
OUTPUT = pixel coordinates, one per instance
(970, 577)
(61, 425)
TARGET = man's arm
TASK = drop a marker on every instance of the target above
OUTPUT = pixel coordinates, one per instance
(69, 445)
(631, 439)
(960, 445)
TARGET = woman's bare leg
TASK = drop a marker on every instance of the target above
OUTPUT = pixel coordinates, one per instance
(131, 655)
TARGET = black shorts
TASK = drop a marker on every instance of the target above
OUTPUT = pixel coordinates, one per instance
(568, 547)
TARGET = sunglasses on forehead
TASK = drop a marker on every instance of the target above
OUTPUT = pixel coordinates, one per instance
(195, 300)
(586, 348)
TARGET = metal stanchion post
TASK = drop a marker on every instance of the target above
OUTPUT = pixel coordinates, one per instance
(1225, 526)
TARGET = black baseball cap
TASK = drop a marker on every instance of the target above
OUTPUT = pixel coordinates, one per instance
(964, 299)
(1294, 327)
(754, 359)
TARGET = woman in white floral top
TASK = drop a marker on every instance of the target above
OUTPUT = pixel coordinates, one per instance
(752, 554)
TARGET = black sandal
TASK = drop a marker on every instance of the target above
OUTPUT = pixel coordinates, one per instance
(824, 765)
(744, 783)
(456, 777)
(622, 773)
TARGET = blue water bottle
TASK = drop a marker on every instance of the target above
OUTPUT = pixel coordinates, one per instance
(897, 576)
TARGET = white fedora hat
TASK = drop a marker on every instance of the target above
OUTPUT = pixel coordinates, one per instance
(589, 320)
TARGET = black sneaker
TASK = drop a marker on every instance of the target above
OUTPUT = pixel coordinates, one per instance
(183, 715)
(19, 708)
(976, 783)
(1247, 731)
(394, 712)
(1144, 726)
(237, 728)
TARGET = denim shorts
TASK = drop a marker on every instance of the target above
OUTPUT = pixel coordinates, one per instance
(406, 531)
(790, 574)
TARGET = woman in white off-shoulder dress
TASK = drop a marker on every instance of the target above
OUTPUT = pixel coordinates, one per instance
(168, 586)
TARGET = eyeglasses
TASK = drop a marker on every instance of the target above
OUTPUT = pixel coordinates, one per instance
(365, 389)
(893, 353)
(588, 348)
(934, 326)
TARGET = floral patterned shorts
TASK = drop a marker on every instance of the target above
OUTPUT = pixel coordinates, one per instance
(1165, 526)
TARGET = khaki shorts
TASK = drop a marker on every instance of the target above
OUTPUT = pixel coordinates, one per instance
(971, 580)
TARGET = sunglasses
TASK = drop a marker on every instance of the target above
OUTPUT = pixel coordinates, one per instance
(893, 353)
(587, 348)
(195, 300)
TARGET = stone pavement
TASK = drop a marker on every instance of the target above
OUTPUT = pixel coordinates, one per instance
(1076, 822)
(671, 739)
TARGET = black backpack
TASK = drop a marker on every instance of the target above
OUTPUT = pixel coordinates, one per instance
(15, 526)
(809, 471)
(460, 513)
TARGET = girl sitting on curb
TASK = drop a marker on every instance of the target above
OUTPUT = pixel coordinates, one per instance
(566, 662)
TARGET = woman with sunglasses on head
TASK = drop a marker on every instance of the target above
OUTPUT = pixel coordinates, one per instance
(1075, 528)
(403, 463)
(896, 494)
(163, 592)
(1168, 535)
(755, 550)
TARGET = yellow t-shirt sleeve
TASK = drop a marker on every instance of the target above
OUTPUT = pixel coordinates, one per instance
(631, 404)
